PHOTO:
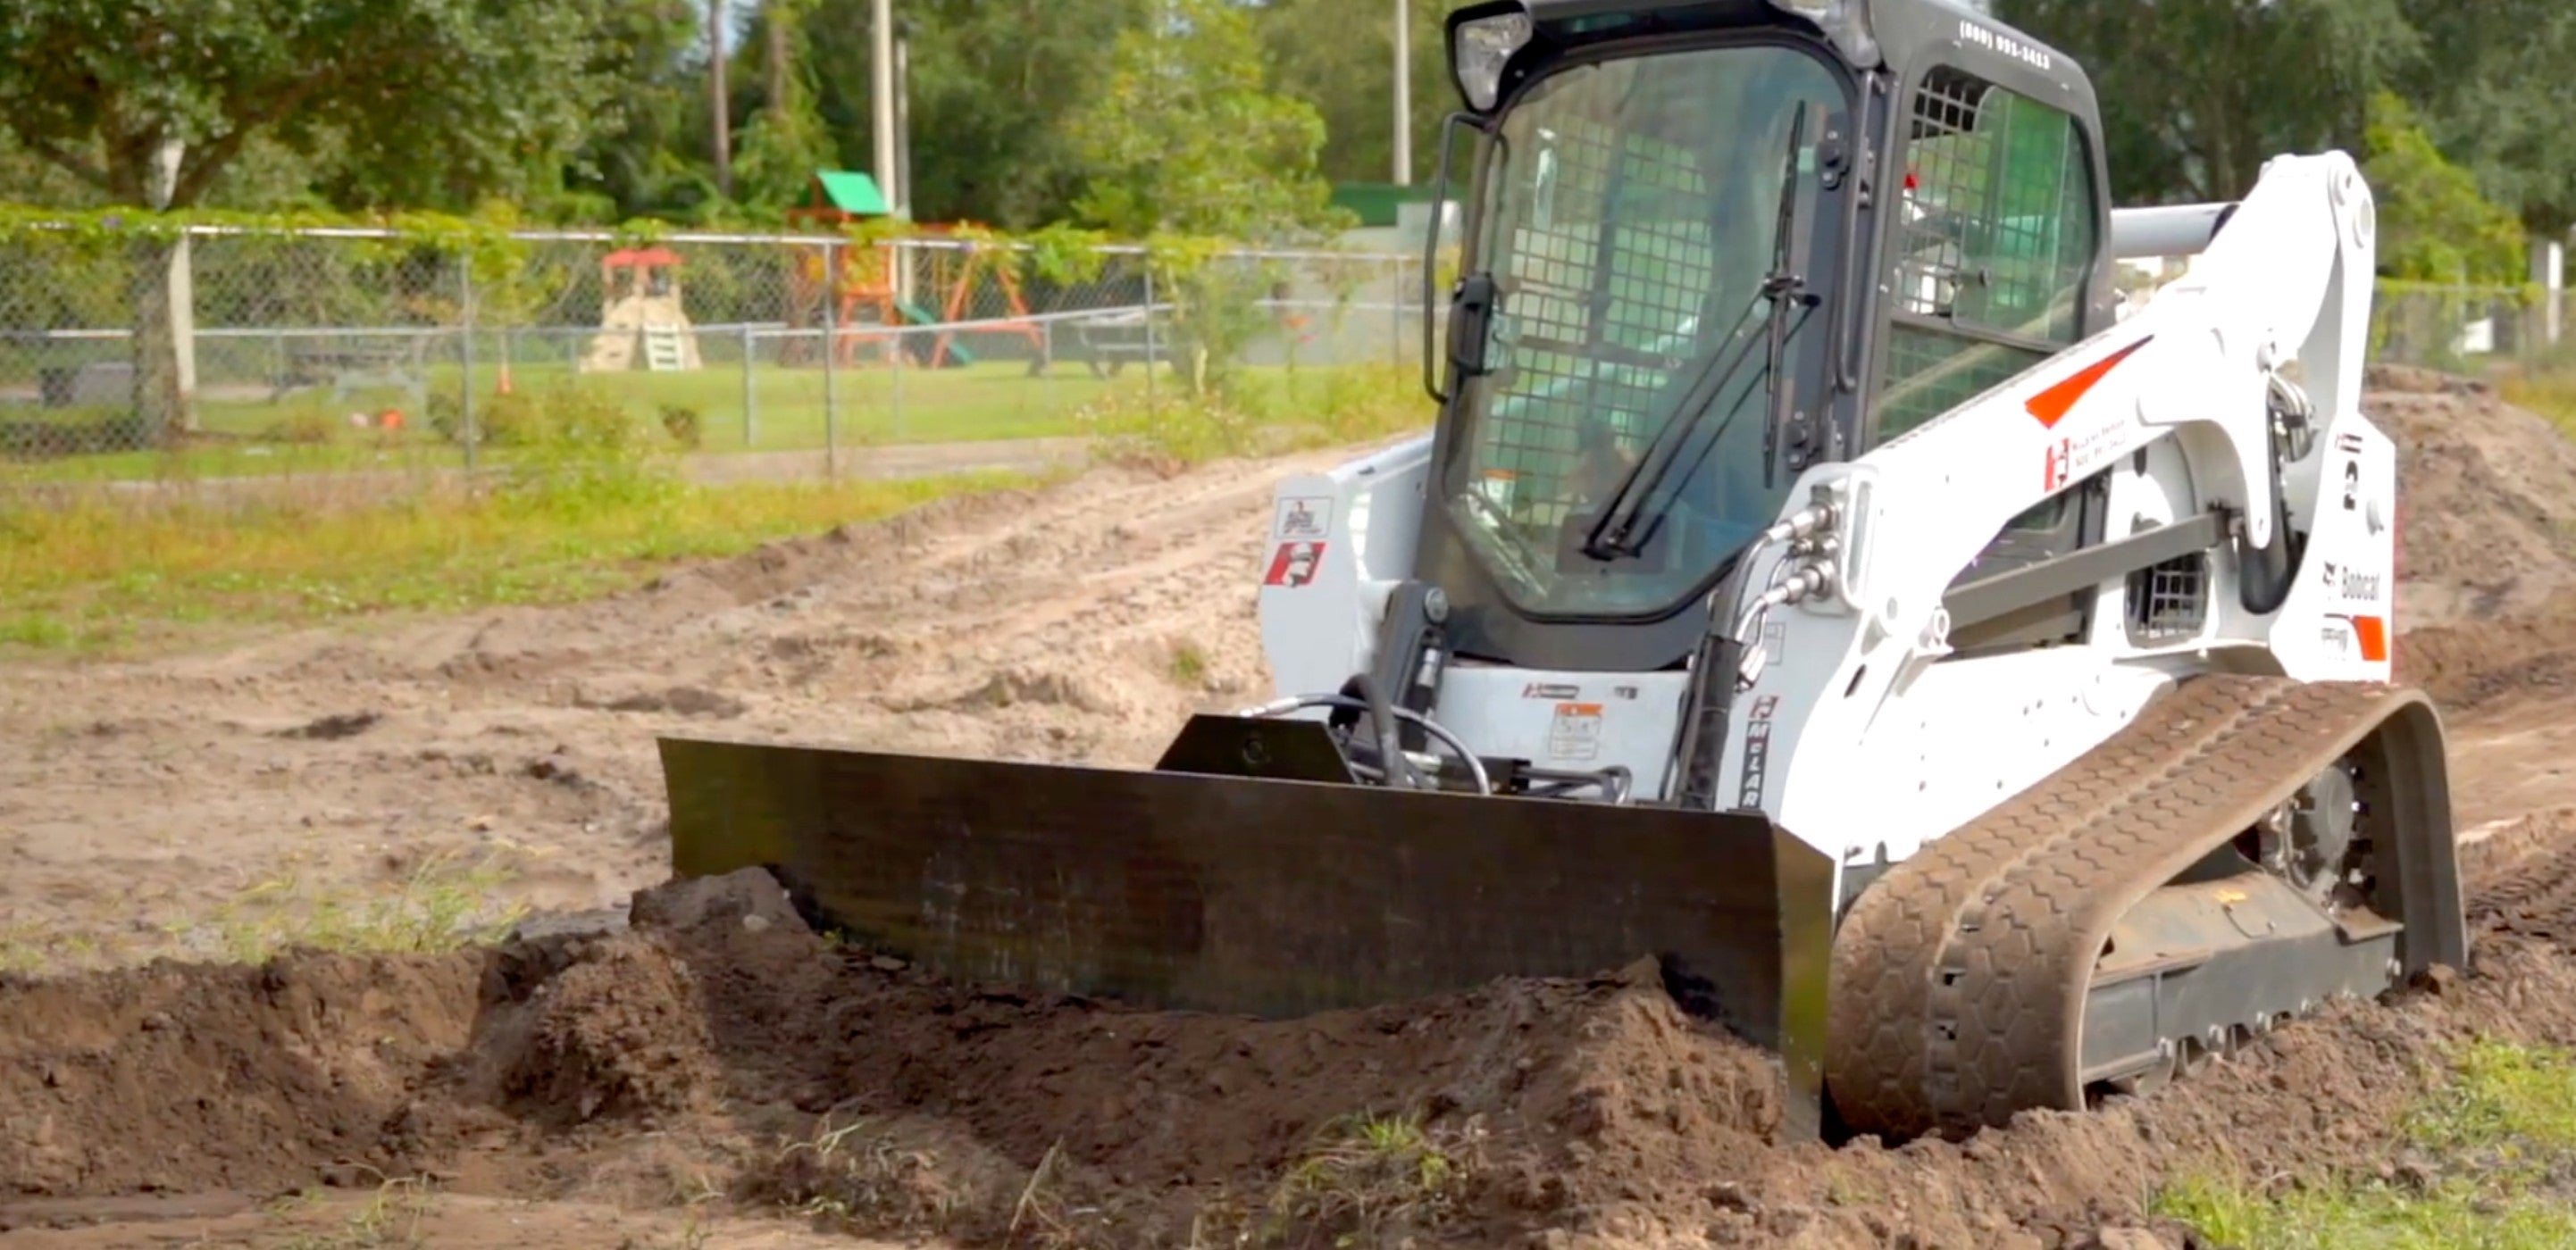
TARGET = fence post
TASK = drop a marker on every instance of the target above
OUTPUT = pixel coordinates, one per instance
(750, 400)
(831, 349)
(1150, 406)
(465, 359)
(1395, 312)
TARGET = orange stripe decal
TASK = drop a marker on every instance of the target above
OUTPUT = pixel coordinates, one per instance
(2373, 632)
(2052, 405)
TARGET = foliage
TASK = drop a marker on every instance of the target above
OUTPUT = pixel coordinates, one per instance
(2434, 226)
(1133, 115)
(1185, 135)
(2495, 94)
(2501, 1121)
(415, 102)
(2197, 94)
(1340, 60)
(787, 140)
(101, 574)
(1162, 432)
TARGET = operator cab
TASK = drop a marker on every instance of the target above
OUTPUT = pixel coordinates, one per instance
(1667, 307)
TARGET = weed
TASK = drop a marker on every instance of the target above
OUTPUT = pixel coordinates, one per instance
(2502, 1120)
(1167, 431)
(442, 906)
(27, 948)
(391, 1219)
(2457, 1212)
(2552, 395)
(1189, 664)
(865, 1176)
(1164, 433)
(684, 425)
(97, 577)
(2511, 1109)
(1367, 1179)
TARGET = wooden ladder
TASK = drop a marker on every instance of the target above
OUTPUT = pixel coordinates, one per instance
(662, 348)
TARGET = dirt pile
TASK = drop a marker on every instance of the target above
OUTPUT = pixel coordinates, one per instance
(196, 1077)
(846, 1086)
(2487, 498)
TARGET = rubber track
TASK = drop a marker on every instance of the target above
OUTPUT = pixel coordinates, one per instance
(1959, 978)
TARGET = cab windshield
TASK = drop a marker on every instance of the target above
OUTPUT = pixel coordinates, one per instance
(1631, 213)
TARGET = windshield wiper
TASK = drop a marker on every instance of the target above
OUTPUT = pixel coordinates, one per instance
(1626, 526)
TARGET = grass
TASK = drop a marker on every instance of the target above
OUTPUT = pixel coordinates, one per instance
(390, 1219)
(2552, 394)
(590, 504)
(96, 575)
(1189, 664)
(444, 905)
(2503, 1128)
(310, 434)
(1371, 1180)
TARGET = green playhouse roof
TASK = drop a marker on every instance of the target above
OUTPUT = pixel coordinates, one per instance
(852, 192)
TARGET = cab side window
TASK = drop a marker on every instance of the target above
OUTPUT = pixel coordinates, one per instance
(1995, 241)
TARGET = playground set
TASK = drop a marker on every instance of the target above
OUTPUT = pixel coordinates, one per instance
(871, 304)
(641, 304)
(874, 298)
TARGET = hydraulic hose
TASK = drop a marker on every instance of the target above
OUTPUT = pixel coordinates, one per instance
(1382, 722)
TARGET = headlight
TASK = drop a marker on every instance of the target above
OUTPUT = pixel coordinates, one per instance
(1478, 49)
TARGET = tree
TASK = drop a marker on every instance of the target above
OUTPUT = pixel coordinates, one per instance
(1187, 134)
(416, 102)
(1337, 56)
(2197, 94)
(641, 156)
(2497, 98)
(785, 142)
(2434, 226)
(992, 82)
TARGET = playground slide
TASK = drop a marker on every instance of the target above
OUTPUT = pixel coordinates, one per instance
(920, 347)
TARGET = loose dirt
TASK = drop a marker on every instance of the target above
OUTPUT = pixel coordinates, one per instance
(688, 1059)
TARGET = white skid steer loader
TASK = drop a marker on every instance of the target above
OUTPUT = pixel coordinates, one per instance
(1979, 698)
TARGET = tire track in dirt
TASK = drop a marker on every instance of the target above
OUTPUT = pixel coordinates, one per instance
(1033, 625)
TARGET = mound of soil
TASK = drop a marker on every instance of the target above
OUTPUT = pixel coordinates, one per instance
(820, 1077)
(2486, 498)
(185, 1077)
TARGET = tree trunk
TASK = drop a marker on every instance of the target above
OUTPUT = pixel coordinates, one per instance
(164, 399)
(718, 97)
(777, 22)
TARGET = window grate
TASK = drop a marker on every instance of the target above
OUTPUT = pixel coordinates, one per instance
(2169, 601)
(1585, 348)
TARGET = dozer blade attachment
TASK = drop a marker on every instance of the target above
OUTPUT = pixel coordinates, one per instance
(1184, 888)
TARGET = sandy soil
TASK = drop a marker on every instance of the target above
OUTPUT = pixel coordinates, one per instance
(651, 1087)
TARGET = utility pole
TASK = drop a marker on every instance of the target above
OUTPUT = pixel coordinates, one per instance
(1403, 93)
(716, 95)
(903, 124)
(881, 76)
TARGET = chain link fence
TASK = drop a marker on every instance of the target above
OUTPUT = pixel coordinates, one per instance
(348, 355)
(361, 361)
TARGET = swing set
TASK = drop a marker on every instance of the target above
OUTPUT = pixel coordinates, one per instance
(870, 308)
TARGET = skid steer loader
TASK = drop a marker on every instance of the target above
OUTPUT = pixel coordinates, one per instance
(1981, 699)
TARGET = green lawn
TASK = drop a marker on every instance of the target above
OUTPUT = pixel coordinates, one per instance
(786, 410)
